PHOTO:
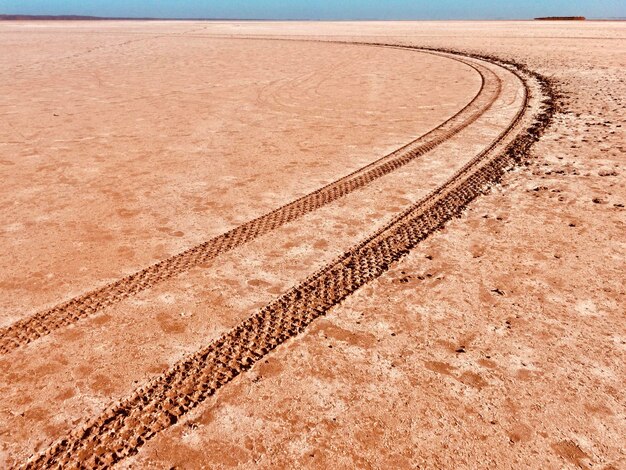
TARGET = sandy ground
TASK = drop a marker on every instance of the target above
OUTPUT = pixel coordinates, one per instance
(214, 132)
(498, 342)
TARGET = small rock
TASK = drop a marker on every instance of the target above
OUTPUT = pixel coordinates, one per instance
(607, 172)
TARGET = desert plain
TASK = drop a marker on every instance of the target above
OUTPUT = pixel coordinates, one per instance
(308, 245)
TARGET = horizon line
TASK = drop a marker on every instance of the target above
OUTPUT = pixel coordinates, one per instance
(71, 17)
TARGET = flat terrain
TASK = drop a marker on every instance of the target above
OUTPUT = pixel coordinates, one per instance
(498, 341)
(135, 151)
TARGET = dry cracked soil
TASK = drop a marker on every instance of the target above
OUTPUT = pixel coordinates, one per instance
(497, 341)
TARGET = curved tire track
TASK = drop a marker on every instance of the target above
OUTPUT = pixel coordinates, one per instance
(121, 430)
(44, 322)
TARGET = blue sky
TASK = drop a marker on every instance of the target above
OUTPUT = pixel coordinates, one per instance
(321, 9)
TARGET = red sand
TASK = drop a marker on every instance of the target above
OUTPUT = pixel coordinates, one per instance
(497, 342)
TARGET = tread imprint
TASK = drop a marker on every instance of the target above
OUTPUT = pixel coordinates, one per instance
(122, 429)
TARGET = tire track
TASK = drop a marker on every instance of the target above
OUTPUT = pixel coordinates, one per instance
(44, 322)
(124, 428)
